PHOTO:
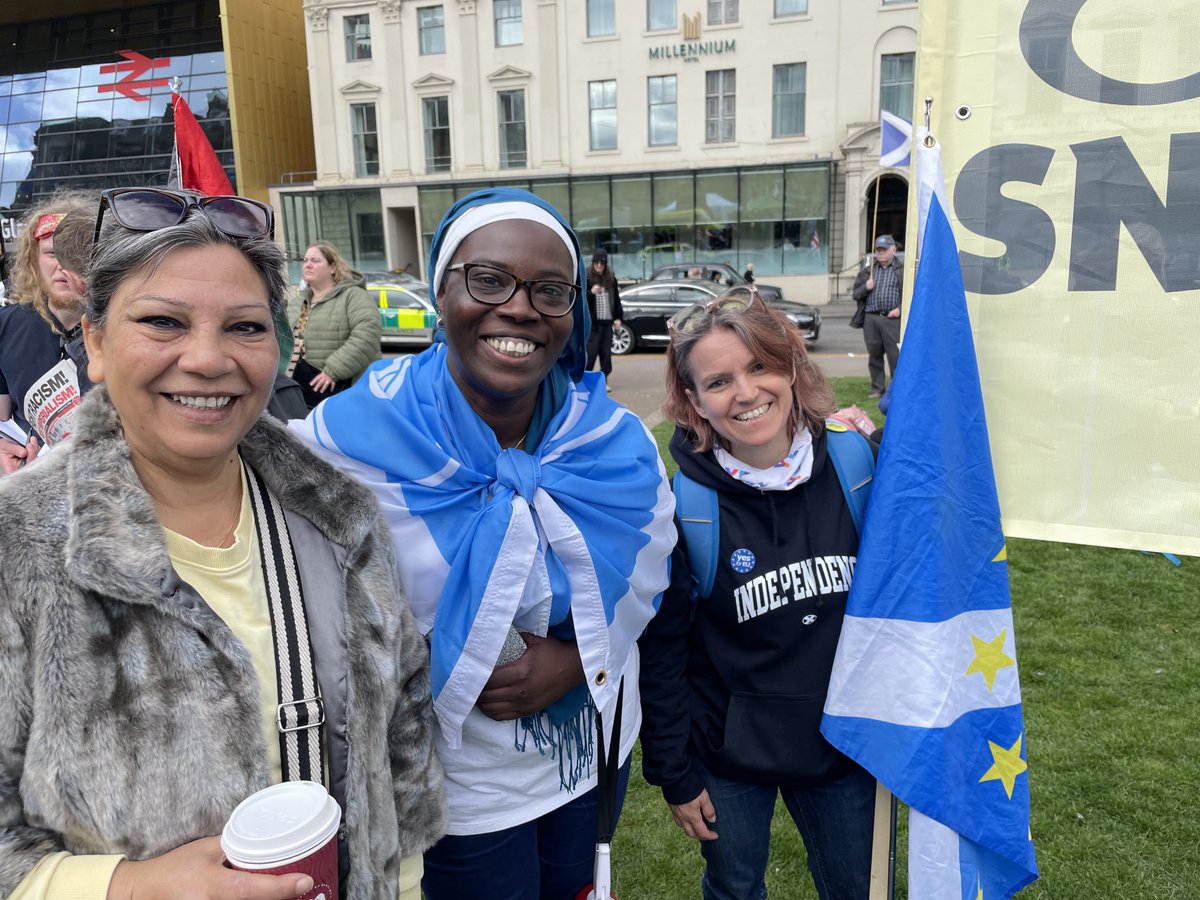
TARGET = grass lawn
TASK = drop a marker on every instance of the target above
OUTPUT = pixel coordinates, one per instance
(1109, 650)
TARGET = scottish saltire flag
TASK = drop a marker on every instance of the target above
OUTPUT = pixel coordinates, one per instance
(488, 538)
(924, 692)
(895, 140)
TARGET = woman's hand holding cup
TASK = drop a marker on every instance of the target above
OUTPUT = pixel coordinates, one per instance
(197, 871)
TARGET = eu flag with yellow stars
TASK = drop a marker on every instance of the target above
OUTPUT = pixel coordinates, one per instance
(924, 692)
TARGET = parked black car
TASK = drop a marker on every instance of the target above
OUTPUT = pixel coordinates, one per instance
(649, 306)
(720, 274)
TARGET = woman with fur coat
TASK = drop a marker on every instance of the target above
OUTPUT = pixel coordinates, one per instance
(138, 688)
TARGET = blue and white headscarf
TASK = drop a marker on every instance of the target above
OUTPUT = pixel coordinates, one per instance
(497, 205)
(470, 520)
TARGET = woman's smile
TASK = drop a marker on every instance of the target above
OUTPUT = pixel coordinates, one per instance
(512, 347)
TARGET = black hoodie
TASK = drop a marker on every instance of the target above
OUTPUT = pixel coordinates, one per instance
(735, 684)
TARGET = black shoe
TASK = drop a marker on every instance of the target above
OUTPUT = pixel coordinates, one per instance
(874, 395)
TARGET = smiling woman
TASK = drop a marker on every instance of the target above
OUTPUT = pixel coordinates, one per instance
(733, 687)
(150, 565)
(532, 522)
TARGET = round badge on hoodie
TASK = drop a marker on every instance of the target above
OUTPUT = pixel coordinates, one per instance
(742, 561)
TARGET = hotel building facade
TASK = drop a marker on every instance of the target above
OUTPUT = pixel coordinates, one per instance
(665, 130)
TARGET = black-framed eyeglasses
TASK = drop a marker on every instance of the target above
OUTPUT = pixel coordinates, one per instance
(149, 209)
(691, 318)
(493, 286)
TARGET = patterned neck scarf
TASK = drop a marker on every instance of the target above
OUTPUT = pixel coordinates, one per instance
(793, 469)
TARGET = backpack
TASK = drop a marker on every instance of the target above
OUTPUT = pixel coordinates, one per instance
(699, 512)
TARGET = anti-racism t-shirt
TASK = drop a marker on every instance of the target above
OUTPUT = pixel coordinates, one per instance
(29, 349)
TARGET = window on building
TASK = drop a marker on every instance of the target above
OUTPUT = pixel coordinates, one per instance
(358, 37)
(431, 28)
(787, 104)
(512, 130)
(720, 106)
(896, 84)
(661, 93)
(437, 133)
(660, 15)
(510, 30)
(722, 12)
(602, 113)
(601, 17)
(791, 8)
(366, 139)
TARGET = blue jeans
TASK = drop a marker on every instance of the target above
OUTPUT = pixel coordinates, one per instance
(834, 820)
(549, 858)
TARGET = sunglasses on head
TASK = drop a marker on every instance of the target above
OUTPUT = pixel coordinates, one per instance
(149, 209)
(691, 318)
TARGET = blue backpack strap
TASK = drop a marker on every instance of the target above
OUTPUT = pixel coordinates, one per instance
(855, 466)
(699, 517)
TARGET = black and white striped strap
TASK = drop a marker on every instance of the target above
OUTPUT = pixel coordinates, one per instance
(300, 714)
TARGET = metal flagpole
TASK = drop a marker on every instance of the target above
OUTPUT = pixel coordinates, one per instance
(174, 174)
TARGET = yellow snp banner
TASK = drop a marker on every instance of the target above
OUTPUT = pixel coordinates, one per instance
(1070, 134)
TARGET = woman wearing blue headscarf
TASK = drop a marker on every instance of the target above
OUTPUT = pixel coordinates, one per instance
(532, 521)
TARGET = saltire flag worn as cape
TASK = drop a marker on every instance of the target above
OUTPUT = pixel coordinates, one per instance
(895, 140)
(924, 692)
(195, 163)
(469, 521)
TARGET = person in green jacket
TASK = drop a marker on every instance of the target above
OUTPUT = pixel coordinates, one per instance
(335, 325)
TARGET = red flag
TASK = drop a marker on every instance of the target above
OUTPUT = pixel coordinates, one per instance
(199, 168)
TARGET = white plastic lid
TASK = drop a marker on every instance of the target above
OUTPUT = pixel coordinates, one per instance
(280, 824)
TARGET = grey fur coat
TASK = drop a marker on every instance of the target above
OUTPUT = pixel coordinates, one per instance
(129, 713)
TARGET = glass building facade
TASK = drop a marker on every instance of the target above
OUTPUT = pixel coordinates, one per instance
(85, 100)
(776, 217)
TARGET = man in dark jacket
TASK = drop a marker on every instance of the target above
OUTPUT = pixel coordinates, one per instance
(880, 286)
(604, 304)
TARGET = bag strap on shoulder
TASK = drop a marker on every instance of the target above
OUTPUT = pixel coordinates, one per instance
(699, 518)
(300, 715)
(855, 466)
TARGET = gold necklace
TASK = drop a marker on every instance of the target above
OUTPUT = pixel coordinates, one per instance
(517, 445)
(237, 517)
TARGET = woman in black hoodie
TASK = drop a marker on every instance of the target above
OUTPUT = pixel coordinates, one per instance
(733, 684)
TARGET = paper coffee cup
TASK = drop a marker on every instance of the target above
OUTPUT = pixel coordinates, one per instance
(285, 828)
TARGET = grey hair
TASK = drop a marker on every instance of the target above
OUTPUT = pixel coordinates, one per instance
(121, 253)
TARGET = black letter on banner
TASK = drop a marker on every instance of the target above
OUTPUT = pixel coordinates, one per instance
(1048, 49)
(1026, 231)
(1110, 190)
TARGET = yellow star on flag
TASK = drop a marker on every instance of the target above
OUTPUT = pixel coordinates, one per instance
(990, 658)
(1006, 766)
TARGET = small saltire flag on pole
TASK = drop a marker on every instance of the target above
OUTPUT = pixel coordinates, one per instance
(895, 140)
(924, 692)
(195, 165)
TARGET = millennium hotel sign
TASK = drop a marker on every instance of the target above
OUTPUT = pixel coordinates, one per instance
(692, 48)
